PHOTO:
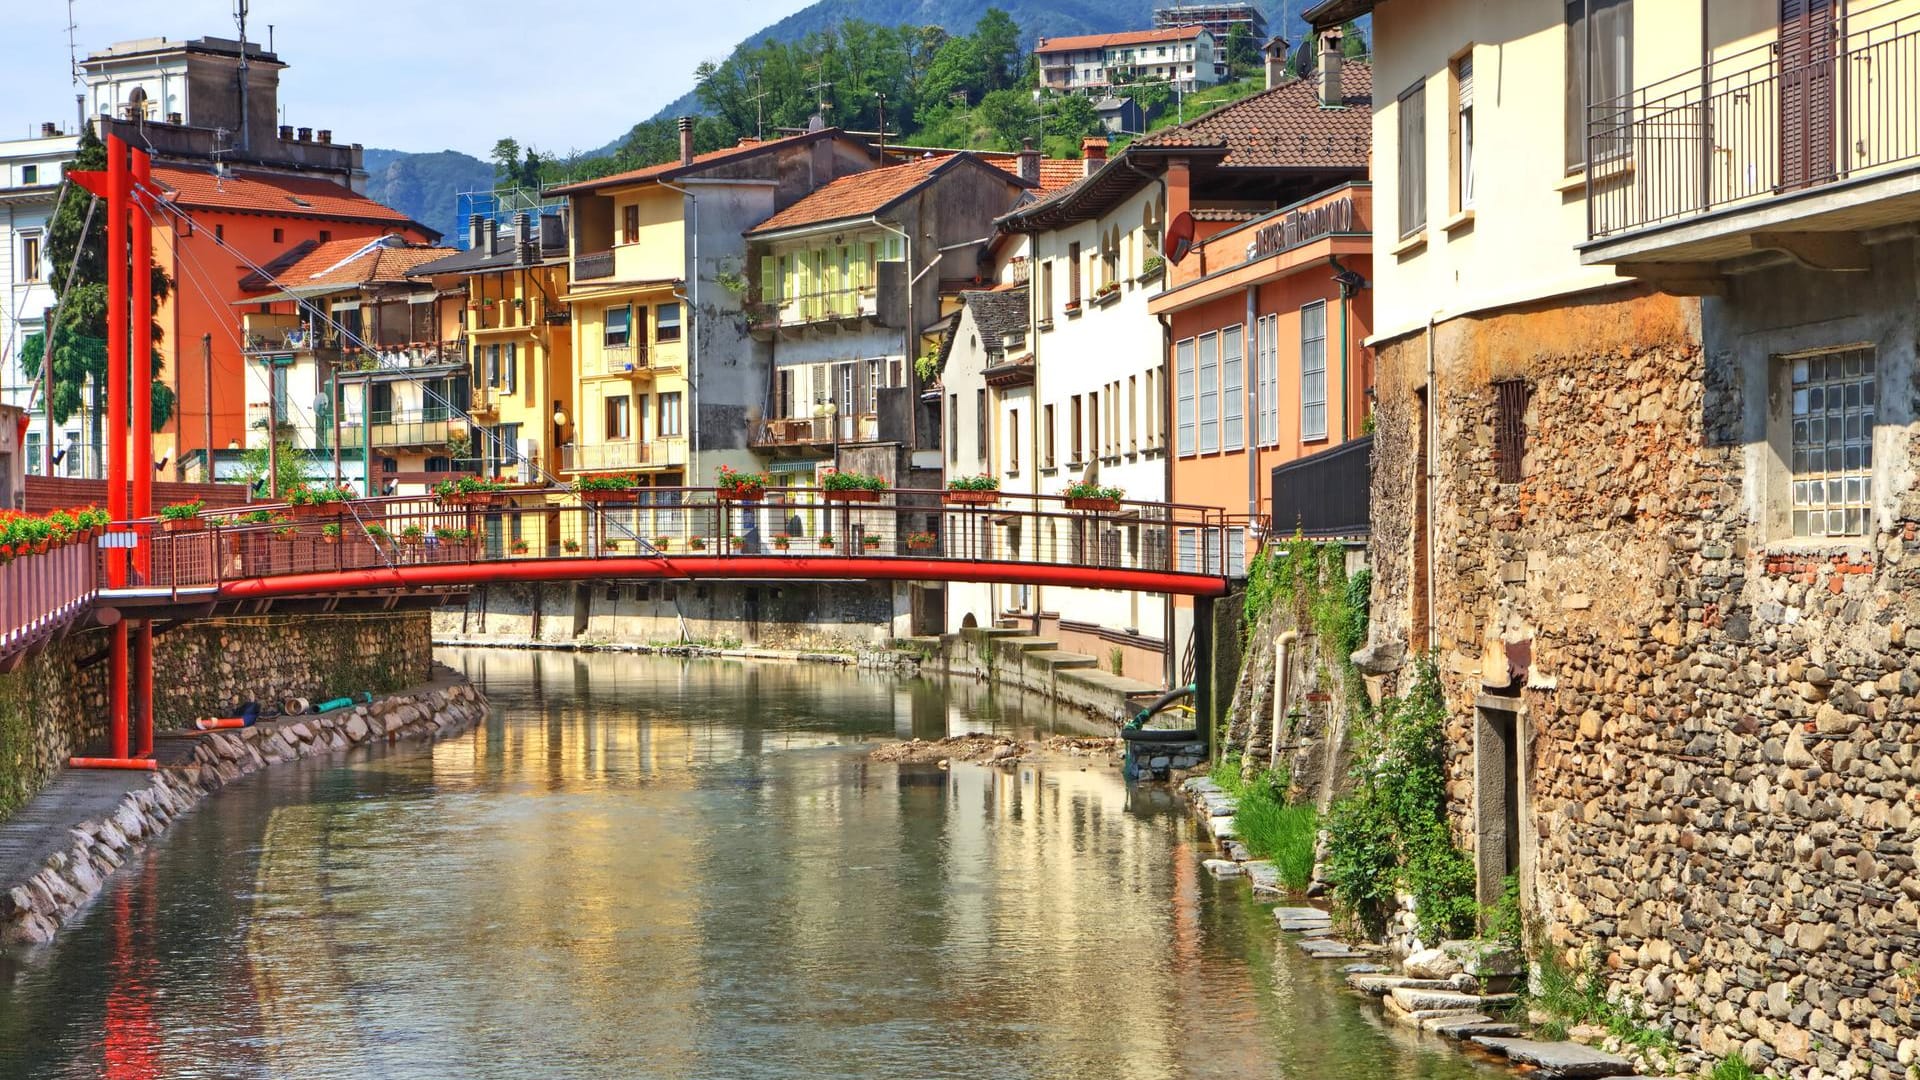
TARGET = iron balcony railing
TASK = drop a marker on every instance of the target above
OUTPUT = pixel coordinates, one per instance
(800, 309)
(619, 455)
(682, 523)
(1822, 104)
(1325, 494)
(40, 594)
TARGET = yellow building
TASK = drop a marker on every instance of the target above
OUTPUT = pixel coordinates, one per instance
(514, 318)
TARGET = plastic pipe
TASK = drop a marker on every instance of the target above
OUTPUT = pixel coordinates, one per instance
(135, 764)
(343, 702)
(219, 723)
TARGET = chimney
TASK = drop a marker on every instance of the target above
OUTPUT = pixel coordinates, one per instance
(286, 132)
(49, 129)
(175, 119)
(493, 237)
(476, 230)
(325, 135)
(1029, 161)
(1330, 95)
(1094, 151)
(522, 234)
(306, 134)
(1276, 53)
(686, 140)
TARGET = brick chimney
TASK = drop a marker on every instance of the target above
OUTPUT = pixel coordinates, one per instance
(1029, 161)
(49, 129)
(686, 140)
(306, 134)
(1094, 152)
(1330, 93)
(476, 231)
(1276, 54)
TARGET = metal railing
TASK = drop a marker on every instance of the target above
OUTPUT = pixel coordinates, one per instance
(798, 309)
(1325, 494)
(619, 455)
(687, 522)
(39, 594)
(402, 427)
(1760, 123)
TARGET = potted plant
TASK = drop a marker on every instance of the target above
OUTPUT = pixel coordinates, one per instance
(413, 534)
(870, 542)
(570, 546)
(470, 491)
(737, 543)
(376, 533)
(330, 532)
(307, 501)
(611, 545)
(1151, 268)
(604, 487)
(519, 547)
(734, 486)
(660, 542)
(852, 487)
(696, 543)
(283, 528)
(920, 541)
(182, 517)
(826, 542)
(1106, 294)
(782, 543)
(1087, 495)
(972, 491)
(452, 536)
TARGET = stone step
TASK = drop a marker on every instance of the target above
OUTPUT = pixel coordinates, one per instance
(1265, 877)
(1024, 644)
(1061, 660)
(1198, 786)
(1558, 1060)
(1365, 969)
(1380, 985)
(1223, 868)
(1328, 949)
(1419, 1018)
(1473, 1027)
(1237, 851)
(1223, 828)
(1220, 805)
(1415, 998)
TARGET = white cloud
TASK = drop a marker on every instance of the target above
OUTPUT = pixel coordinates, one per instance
(411, 74)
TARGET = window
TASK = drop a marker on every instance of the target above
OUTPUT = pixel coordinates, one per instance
(29, 174)
(630, 224)
(619, 417)
(1266, 386)
(1236, 561)
(644, 415)
(1313, 371)
(1189, 540)
(1209, 348)
(1076, 446)
(1133, 413)
(1599, 72)
(1093, 425)
(953, 427)
(1509, 429)
(1047, 432)
(619, 327)
(666, 322)
(670, 415)
(1233, 389)
(1073, 276)
(1463, 133)
(326, 235)
(1833, 414)
(980, 423)
(509, 363)
(1413, 159)
(1184, 388)
(30, 257)
(219, 232)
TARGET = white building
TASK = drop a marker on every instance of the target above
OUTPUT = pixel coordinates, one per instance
(1098, 384)
(30, 172)
(1182, 56)
(986, 391)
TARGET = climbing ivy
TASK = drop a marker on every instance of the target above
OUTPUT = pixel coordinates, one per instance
(1391, 832)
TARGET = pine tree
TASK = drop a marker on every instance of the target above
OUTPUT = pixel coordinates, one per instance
(80, 336)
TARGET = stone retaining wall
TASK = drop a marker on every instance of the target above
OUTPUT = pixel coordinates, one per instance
(31, 911)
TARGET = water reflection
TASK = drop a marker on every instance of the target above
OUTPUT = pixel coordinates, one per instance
(647, 867)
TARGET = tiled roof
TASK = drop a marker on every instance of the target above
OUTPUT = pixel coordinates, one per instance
(1109, 41)
(341, 264)
(998, 313)
(1285, 127)
(667, 169)
(272, 193)
(863, 193)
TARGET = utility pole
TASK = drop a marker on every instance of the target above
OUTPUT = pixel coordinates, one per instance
(881, 95)
(206, 392)
(820, 87)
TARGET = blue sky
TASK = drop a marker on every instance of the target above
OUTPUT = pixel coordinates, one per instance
(407, 74)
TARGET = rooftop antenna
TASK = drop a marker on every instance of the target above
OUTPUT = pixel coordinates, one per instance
(73, 69)
(240, 18)
(756, 99)
(269, 37)
(821, 86)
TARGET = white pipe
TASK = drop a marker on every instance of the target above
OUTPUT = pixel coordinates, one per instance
(1433, 419)
(1282, 657)
(693, 342)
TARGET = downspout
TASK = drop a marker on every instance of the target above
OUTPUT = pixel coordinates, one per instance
(692, 299)
(1350, 282)
(1166, 344)
(1433, 416)
(1249, 421)
(909, 334)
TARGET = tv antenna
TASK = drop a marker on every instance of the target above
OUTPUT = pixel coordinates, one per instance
(821, 85)
(756, 99)
(73, 69)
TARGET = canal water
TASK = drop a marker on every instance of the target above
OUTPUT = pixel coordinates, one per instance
(648, 867)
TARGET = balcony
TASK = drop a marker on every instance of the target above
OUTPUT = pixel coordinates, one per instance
(824, 432)
(598, 457)
(593, 266)
(418, 429)
(1796, 146)
(408, 357)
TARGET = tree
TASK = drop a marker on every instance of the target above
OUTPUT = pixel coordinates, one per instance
(1009, 114)
(1073, 117)
(996, 40)
(957, 69)
(80, 335)
(506, 162)
(290, 466)
(1353, 41)
(1243, 53)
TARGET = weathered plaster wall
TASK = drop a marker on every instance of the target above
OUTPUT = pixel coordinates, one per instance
(1718, 730)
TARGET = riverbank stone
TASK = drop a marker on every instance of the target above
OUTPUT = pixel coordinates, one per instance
(1223, 868)
(1328, 949)
(1558, 1060)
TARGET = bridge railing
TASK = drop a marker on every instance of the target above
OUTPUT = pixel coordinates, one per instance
(679, 523)
(41, 593)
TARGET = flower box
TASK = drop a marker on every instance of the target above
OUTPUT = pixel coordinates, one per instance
(852, 495)
(969, 498)
(742, 493)
(1098, 505)
(314, 511)
(606, 495)
(174, 525)
(919, 545)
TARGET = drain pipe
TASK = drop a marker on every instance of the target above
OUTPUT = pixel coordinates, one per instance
(1433, 418)
(692, 300)
(1282, 677)
(1350, 282)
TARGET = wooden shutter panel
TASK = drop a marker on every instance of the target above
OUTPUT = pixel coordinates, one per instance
(1806, 87)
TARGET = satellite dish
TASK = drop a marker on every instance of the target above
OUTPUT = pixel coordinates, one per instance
(1179, 236)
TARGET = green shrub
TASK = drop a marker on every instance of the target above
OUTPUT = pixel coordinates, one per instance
(1281, 832)
(1732, 1067)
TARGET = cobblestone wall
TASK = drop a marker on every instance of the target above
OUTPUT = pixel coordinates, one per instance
(52, 707)
(1718, 734)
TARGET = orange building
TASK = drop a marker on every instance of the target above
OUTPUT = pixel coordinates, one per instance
(218, 229)
(1273, 308)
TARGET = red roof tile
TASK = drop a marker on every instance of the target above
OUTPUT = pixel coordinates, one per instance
(271, 193)
(669, 168)
(1128, 37)
(1055, 173)
(1285, 127)
(860, 194)
(346, 263)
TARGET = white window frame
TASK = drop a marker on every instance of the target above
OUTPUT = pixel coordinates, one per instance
(1233, 388)
(1313, 372)
(1463, 130)
(1267, 379)
(1186, 409)
(1829, 475)
(1207, 351)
